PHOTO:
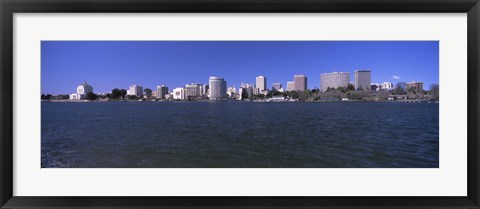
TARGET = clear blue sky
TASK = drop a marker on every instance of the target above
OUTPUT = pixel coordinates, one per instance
(118, 64)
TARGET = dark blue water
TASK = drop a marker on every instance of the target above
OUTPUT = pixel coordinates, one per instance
(239, 135)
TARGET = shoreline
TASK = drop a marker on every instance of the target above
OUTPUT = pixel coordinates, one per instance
(243, 101)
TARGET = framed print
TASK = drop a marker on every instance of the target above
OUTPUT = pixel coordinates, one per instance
(239, 104)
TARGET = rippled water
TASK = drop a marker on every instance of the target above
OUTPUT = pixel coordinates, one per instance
(239, 135)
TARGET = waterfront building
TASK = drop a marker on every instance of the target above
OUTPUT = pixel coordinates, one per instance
(232, 91)
(218, 88)
(276, 86)
(193, 91)
(256, 91)
(205, 89)
(334, 80)
(82, 91)
(135, 90)
(375, 86)
(290, 86)
(261, 83)
(179, 93)
(414, 86)
(161, 92)
(386, 85)
(363, 79)
(300, 82)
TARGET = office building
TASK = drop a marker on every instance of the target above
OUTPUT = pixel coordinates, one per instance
(218, 88)
(300, 82)
(276, 86)
(135, 90)
(415, 86)
(386, 85)
(205, 89)
(363, 79)
(179, 93)
(193, 91)
(290, 86)
(334, 80)
(82, 91)
(261, 83)
(161, 92)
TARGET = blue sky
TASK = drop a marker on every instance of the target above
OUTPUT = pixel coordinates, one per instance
(118, 64)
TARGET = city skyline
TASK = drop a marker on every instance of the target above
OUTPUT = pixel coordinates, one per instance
(111, 64)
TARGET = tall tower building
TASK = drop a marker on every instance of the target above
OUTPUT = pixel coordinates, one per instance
(136, 90)
(300, 82)
(218, 88)
(162, 91)
(363, 79)
(261, 83)
(334, 80)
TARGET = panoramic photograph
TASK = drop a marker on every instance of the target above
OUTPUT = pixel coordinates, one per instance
(239, 104)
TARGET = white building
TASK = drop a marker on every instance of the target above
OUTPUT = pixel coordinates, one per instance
(386, 85)
(179, 93)
(261, 83)
(135, 90)
(218, 88)
(161, 92)
(232, 91)
(82, 91)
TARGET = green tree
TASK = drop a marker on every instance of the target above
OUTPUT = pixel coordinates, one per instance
(123, 93)
(116, 93)
(91, 96)
(400, 88)
(148, 92)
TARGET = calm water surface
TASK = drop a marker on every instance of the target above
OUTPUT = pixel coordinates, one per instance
(239, 135)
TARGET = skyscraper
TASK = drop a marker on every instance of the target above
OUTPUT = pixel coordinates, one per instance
(300, 82)
(362, 79)
(218, 88)
(136, 90)
(193, 91)
(261, 83)
(290, 86)
(162, 91)
(334, 80)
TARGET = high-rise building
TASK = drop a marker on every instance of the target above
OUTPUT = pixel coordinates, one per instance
(218, 88)
(290, 86)
(334, 80)
(261, 83)
(414, 86)
(276, 86)
(161, 92)
(386, 85)
(205, 89)
(193, 91)
(363, 79)
(179, 93)
(300, 82)
(135, 90)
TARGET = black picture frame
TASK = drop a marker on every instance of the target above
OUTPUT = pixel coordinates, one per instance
(9, 7)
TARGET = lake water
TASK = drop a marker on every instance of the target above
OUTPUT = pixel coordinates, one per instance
(239, 135)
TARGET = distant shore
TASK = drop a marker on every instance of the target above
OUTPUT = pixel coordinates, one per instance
(245, 101)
